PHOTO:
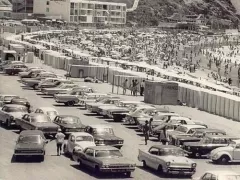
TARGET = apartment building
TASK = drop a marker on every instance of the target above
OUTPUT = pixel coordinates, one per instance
(5, 9)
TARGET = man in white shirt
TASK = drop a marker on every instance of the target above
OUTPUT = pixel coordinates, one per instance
(59, 140)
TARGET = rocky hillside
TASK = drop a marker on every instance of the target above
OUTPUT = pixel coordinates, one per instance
(149, 12)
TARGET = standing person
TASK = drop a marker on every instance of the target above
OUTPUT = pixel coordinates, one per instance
(131, 87)
(125, 86)
(135, 87)
(163, 136)
(28, 107)
(59, 140)
(150, 126)
(142, 87)
(146, 131)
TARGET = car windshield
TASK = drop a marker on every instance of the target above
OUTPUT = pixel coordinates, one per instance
(169, 152)
(103, 131)
(70, 120)
(229, 177)
(16, 109)
(84, 138)
(108, 153)
(8, 98)
(51, 113)
(41, 119)
(29, 139)
(181, 129)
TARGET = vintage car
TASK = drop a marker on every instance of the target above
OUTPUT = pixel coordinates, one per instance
(104, 159)
(224, 155)
(167, 159)
(53, 82)
(207, 144)
(49, 111)
(79, 141)
(197, 136)
(15, 69)
(68, 99)
(183, 130)
(33, 82)
(6, 99)
(219, 175)
(88, 98)
(69, 124)
(30, 73)
(59, 89)
(20, 101)
(10, 112)
(93, 107)
(36, 121)
(119, 111)
(104, 135)
(7, 64)
(30, 143)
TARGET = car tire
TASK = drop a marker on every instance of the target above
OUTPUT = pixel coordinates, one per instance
(35, 86)
(223, 159)
(97, 171)
(160, 170)
(66, 104)
(144, 164)
(128, 174)
(70, 103)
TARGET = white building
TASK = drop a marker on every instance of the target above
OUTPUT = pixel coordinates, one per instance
(82, 11)
(5, 9)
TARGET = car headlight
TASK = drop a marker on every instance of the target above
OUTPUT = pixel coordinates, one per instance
(99, 141)
(194, 165)
(168, 164)
(120, 142)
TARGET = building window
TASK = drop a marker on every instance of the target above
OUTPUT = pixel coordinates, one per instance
(48, 3)
(83, 18)
(72, 12)
(84, 5)
(83, 12)
(98, 6)
(89, 12)
(90, 6)
(118, 7)
(105, 7)
(75, 19)
(47, 9)
(76, 12)
(124, 8)
(71, 18)
(72, 5)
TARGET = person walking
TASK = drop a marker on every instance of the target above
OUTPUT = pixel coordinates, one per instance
(132, 87)
(125, 86)
(146, 132)
(150, 126)
(59, 140)
(28, 107)
(135, 84)
(142, 87)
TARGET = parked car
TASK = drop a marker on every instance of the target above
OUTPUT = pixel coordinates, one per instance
(207, 144)
(88, 98)
(219, 175)
(224, 155)
(69, 124)
(33, 82)
(183, 130)
(104, 159)
(60, 89)
(10, 112)
(36, 121)
(31, 73)
(30, 143)
(20, 101)
(79, 141)
(68, 99)
(49, 111)
(93, 107)
(197, 136)
(6, 99)
(167, 159)
(104, 135)
(53, 82)
(151, 113)
(7, 64)
(15, 69)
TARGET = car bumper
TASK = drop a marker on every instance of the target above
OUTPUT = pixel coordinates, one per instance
(117, 170)
(29, 154)
(113, 145)
(180, 171)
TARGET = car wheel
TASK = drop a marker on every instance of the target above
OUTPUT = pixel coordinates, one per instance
(128, 174)
(35, 86)
(223, 159)
(41, 158)
(70, 103)
(160, 170)
(144, 164)
(97, 171)
(66, 104)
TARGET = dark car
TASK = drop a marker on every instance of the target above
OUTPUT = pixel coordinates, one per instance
(197, 135)
(15, 69)
(37, 121)
(30, 143)
(206, 145)
(104, 135)
(69, 124)
(20, 101)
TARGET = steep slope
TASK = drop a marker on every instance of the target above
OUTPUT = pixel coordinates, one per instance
(151, 11)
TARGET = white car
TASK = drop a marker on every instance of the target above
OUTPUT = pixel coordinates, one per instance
(78, 140)
(219, 175)
(223, 155)
(51, 112)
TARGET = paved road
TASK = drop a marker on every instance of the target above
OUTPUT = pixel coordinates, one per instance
(62, 168)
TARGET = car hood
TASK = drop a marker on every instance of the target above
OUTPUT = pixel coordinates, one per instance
(85, 144)
(23, 73)
(17, 114)
(115, 160)
(53, 89)
(177, 159)
(118, 109)
(45, 124)
(227, 149)
(107, 107)
(187, 137)
(106, 137)
(28, 146)
(30, 80)
(96, 104)
(73, 125)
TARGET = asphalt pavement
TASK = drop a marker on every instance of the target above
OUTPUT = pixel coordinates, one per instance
(62, 168)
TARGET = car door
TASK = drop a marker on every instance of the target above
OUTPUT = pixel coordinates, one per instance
(151, 158)
(236, 152)
(86, 157)
(25, 122)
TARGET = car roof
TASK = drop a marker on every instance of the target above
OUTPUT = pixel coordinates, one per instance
(180, 118)
(81, 134)
(103, 148)
(189, 126)
(100, 126)
(31, 132)
(19, 99)
(220, 136)
(160, 146)
(47, 108)
(92, 94)
(210, 130)
(222, 172)
(131, 102)
(63, 116)
(8, 95)
(237, 141)
(37, 114)
(14, 105)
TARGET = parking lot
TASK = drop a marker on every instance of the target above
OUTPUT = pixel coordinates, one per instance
(55, 167)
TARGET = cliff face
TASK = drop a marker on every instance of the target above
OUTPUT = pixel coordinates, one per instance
(151, 11)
